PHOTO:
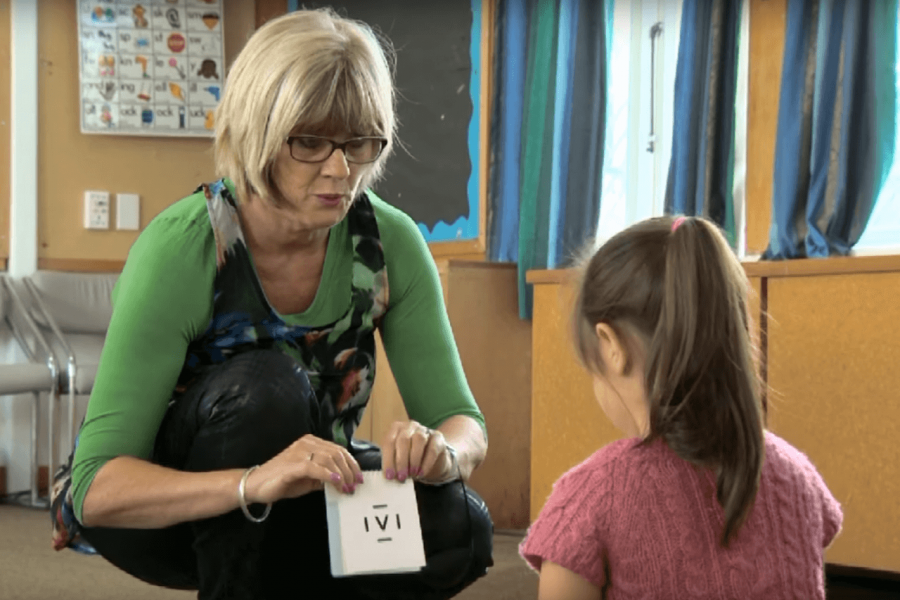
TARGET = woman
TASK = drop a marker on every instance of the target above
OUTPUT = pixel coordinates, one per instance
(240, 355)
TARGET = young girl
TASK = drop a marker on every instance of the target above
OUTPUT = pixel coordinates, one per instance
(700, 501)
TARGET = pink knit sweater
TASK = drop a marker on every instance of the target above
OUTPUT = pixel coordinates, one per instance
(639, 522)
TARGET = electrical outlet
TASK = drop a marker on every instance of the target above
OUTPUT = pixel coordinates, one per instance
(96, 210)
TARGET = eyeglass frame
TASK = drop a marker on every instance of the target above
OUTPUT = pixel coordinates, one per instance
(335, 145)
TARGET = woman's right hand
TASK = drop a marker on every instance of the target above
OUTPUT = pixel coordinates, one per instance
(303, 467)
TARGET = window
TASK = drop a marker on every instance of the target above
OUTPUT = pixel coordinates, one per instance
(638, 146)
(642, 65)
(883, 230)
(640, 119)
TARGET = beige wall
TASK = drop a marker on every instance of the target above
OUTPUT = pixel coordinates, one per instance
(767, 26)
(495, 349)
(832, 363)
(160, 170)
(4, 132)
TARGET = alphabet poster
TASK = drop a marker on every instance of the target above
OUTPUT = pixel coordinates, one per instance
(150, 68)
(376, 529)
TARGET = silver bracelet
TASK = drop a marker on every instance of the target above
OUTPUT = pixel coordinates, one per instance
(455, 460)
(243, 499)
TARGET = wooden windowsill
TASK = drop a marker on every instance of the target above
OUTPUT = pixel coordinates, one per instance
(805, 267)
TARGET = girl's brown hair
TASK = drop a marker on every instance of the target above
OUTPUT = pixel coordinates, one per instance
(682, 295)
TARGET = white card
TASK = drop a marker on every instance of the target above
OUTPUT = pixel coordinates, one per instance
(376, 529)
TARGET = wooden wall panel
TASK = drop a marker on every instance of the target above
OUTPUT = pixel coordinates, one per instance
(767, 25)
(495, 349)
(834, 379)
(267, 9)
(568, 424)
(5, 76)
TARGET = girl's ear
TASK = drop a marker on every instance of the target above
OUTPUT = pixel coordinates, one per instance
(613, 352)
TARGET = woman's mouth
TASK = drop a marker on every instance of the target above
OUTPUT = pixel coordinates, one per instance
(330, 199)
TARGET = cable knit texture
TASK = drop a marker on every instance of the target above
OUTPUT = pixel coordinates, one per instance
(640, 522)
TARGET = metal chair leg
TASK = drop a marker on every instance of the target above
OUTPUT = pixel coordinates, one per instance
(35, 415)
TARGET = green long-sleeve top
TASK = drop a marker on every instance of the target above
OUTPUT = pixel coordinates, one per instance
(164, 299)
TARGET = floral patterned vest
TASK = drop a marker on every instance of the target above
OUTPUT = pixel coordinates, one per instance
(339, 357)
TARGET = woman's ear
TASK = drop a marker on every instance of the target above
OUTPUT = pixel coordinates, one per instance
(613, 352)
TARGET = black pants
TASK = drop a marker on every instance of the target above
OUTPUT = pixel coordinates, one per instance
(241, 414)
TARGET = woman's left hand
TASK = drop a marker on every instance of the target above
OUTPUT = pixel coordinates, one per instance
(413, 450)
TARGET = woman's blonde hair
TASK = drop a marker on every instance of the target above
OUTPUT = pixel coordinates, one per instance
(310, 69)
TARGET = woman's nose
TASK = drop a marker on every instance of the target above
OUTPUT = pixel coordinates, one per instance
(336, 165)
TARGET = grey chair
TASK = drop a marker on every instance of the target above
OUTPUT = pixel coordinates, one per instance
(39, 374)
(72, 311)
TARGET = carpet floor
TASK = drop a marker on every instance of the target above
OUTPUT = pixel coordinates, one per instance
(31, 570)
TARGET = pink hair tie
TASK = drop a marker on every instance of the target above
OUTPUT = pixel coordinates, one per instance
(678, 221)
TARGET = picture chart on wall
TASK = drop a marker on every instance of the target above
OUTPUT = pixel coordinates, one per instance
(151, 68)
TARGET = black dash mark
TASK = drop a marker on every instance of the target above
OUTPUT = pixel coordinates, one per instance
(384, 539)
(379, 506)
(398, 520)
(366, 519)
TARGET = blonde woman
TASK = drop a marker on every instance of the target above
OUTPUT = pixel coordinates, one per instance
(241, 354)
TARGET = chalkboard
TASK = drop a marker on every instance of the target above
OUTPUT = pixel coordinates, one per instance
(433, 175)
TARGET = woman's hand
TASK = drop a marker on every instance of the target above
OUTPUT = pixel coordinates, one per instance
(303, 467)
(413, 450)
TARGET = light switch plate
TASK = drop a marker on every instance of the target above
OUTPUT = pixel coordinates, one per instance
(128, 211)
(96, 209)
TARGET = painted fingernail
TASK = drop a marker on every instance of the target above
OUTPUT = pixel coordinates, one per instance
(359, 478)
(401, 476)
(415, 472)
(390, 474)
(335, 476)
(348, 489)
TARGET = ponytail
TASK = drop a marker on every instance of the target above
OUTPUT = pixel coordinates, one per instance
(702, 388)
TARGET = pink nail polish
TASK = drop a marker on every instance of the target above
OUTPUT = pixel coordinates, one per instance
(335, 476)
(359, 478)
(390, 474)
(347, 489)
(401, 476)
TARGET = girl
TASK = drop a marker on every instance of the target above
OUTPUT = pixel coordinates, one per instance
(700, 501)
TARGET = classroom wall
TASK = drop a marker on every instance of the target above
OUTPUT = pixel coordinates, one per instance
(767, 27)
(160, 170)
(832, 370)
(495, 349)
(4, 131)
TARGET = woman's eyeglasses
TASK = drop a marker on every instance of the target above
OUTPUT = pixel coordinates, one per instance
(316, 149)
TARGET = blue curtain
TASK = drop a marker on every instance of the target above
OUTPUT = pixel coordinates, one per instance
(836, 124)
(701, 171)
(548, 137)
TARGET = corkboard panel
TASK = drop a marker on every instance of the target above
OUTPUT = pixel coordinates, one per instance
(6, 70)
(767, 26)
(495, 348)
(832, 365)
(567, 423)
(160, 170)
